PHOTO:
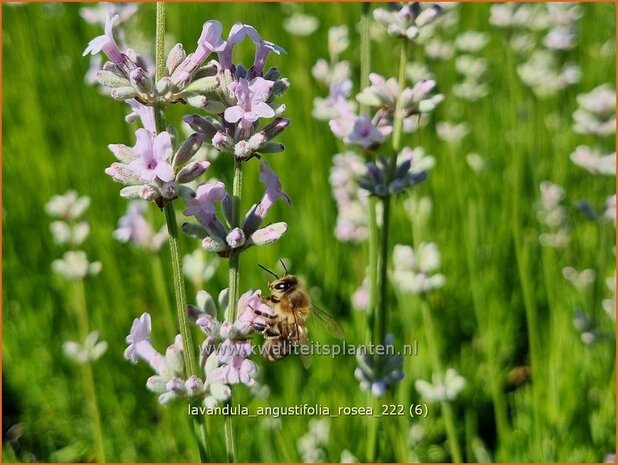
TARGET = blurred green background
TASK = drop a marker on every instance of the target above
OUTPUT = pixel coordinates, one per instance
(55, 133)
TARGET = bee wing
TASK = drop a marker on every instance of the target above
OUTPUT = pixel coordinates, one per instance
(327, 322)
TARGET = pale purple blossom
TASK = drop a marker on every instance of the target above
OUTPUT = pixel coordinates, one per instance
(251, 97)
(152, 156)
(106, 43)
(236, 368)
(134, 227)
(237, 34)
(140, 346)
(364, 133)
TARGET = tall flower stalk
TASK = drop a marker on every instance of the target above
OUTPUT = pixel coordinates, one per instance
(69, 229)
(159, 167)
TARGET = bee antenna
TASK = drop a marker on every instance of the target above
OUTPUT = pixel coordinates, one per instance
(267, 270)
(283, 265)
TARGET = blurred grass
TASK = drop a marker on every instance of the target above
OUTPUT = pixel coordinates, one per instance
(55, 132)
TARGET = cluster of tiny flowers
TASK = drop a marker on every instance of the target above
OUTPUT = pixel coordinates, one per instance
(377, 373)
(347, 170)
(224, 353)
(444, 388)
(135, 229)
(596, 114)
(552, 214)
(312, 444)
(215, 235)
(541, 33)
(236, 97)
(68, 229)
(301, 24)
(351, 174)
(472, 68)
(415, 271)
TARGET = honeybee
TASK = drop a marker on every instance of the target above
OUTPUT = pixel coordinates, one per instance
(285, 327)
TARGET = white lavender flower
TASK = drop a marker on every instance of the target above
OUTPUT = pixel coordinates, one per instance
(444, 388)
(593, 161)
(74, 265)
(552, 214)
(89, 351)
(415, 272)
(596, 113)
(300, 24)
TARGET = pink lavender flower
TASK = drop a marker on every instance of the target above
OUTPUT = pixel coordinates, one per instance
(237, 34)
(106, 43)
(152, 154)
(351, 200)
(215, 236)
(364, 133)
(140, 346)
(251, 97)
(406, 20)
(208, 42)
(134, 228)
(236, 368)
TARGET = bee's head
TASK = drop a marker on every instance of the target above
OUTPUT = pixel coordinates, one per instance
(282, 285)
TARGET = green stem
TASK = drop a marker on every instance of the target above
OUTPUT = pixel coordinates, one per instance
(372, 224)
(191, 365)
(447, 412)
(234, 293)
(398, 123)
(234, 270)
(161, 291)
(88, 376)
(179, 288)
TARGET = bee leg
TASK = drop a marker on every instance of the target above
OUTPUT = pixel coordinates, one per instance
(266, 330)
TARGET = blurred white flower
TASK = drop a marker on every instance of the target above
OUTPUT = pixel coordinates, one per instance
(416, 72)
(451, 132)
(415, 272)
(579, 279)
(197, 267)
(609, 305)
(347, 457)
(338, 40)
(92, 349)
(560, 38)
(300, 24)
(592, 161)
(442, 389)
(327, 74)
(471, 41)
(74, 265)
(73, 234)
(471, 66)
(68, 206)
(476, 162)
(542, 74)
(311, 445)
(438, 49)
(470, 90)
(597, 112)
(418, 210)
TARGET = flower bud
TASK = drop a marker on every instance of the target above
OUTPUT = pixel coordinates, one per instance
(175, 57)
(189, 148)
(203, 85)
(192, 171)
(201, 125)
(110, 79)
(223, 142)
(123, 93)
